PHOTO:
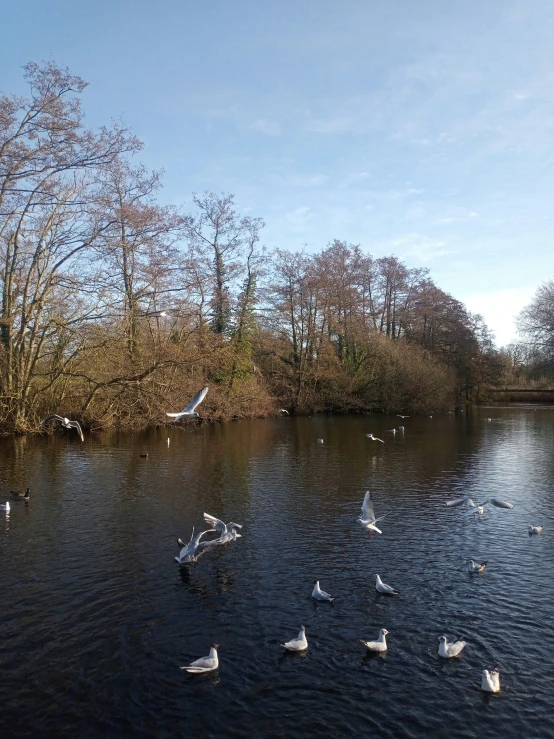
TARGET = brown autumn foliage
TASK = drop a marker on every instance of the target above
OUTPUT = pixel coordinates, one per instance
(116, 309)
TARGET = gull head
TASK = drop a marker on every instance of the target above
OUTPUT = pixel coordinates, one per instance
(384, 632)
(315, 582)
(215, 646)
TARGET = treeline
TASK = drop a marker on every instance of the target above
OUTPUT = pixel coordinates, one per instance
(529, 362)
(116, 309)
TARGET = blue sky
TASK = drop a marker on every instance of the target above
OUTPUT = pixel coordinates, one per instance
(421, 129)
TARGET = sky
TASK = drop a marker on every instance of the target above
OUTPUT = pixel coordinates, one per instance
(420, 129)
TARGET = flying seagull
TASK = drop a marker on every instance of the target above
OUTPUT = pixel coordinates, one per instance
(320, 594)
(497, 503)
(374, 438)
(466, 500)
(377, 646)
(204, 664)
(299, 644)
(195, 548)
(382, 587)
(66, 423)
(228, 531)
(367, 518)
(450, 649)
(490, 681)
(189, 411)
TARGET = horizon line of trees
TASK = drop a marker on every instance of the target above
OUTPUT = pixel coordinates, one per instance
(115, 308)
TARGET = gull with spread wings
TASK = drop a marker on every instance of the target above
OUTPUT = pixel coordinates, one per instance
(66, 423)
(228, 531)
(367, 519)
(189, 411)
(195, 548)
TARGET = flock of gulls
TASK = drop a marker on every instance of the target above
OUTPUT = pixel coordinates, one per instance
(228, 532)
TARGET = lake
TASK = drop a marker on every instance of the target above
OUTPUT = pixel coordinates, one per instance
(97, 617)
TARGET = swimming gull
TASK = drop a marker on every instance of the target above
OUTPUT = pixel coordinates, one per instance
(204, 664)
(399, 416)
(320, 441)
(19, 495)
(189, 411)
(5, 507)
(450, 649)
(66, 423)
(490, 681)
(367, 518)
(535, 529)
(299, 644)
(377, 646)
(320, 594)
(382, 587)
(476, 566)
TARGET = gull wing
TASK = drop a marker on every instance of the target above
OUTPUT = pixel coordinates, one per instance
(368, 514)
(198, 398)
(53, 417)
(215, 523)
(500, 503)
(458, 501)
(77, 425)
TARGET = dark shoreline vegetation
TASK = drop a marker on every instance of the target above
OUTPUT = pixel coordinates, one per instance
(116, 308)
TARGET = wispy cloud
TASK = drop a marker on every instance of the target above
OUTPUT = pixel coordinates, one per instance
(267, 126)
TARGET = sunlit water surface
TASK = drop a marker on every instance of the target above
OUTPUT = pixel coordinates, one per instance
(96, 616)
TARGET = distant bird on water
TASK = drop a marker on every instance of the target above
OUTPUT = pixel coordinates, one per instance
(5, 507)
(377, 646)
(476, 566)
(65, 422)
(144, 456)
(189, 411)
(299, 644)
(450, 649)
(204, 664)
(399, 416)
(320, 441)
(490, 681)
(382, 587)
(284, 411)
(535, 529)
(319, 594)
(367, 518)
(18, 495)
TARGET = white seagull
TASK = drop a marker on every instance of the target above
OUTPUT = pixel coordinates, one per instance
(367, 518)
(284, 410)
(299, 644)
(480, 509)
(477, 566)
(195, 548)
(450, 649)
(66, 423)
(189, 411)
(320, 441)
(490, 681)
(204, 664)
(5, 507)
(228, 531)
(320, 594)
(466, 500)
(399, 416)
(497, 503)
(535, 529)
(382, 587)
(377, 646)
(374, 438)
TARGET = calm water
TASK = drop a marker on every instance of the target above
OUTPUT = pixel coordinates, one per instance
(96, 616)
